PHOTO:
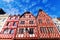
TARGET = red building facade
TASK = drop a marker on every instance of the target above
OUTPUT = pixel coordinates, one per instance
(28, 26)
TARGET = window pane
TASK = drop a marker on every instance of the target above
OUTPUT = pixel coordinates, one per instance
(43, 30)
(50, 30)
(30, 22)
(29, 16)
(22, 22)
(6, 31)
(58, 28)
(7, 24)
(48, 21)
(21, 31)
(14, 24)
(30, 31)
(11, 31)
(40, 20)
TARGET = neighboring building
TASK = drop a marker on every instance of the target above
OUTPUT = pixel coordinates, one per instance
(10, 28)
(3, 18)
(57, 23)
(46, 27)
(27, 26)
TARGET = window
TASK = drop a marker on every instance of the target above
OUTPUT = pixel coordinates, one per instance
(11, 31)
(43, 30)
(29, 16)
(6, 31)
(40, 20)
(58, 28)
(22, 22)
(3, 20)
(14, 24)
(48, 21)
(21, 31)
(30, 22)
(30, 31)
(7, 24)
(50, 29)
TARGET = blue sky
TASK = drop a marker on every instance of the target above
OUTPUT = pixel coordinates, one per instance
(51, 7)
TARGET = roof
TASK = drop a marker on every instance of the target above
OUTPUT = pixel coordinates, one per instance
(25, 13)
(2, 11)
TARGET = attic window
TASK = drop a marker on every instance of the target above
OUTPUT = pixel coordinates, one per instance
(40, 20)
(48, 21)
(29, 16)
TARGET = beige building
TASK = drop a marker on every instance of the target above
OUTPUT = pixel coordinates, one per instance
(3, 18)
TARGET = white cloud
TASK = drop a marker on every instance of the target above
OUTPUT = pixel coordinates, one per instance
(44, 1)
(12, 11)
(8, 1)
